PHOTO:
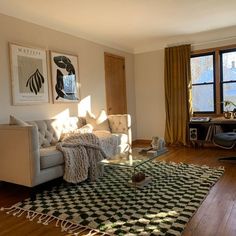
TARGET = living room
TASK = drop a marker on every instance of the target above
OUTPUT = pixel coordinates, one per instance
(199, 24)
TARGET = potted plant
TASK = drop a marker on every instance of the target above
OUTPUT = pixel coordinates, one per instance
(229, 112)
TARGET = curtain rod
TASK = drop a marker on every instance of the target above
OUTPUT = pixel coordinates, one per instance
(201, 43)
(213, 41)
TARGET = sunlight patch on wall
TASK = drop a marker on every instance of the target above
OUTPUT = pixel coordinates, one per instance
(62, 115)
(84, 106)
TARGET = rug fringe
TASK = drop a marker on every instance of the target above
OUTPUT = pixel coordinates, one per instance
(66, 225)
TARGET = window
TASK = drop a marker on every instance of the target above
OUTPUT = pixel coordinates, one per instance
(228, 77)
(203, 83)
(213, 75)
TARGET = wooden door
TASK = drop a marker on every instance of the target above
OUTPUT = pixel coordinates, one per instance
(115, 84)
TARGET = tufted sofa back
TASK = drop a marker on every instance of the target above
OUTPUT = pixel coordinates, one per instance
(51, 131)
(119, 123)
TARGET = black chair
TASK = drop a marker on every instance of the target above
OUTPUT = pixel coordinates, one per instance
(227, 141)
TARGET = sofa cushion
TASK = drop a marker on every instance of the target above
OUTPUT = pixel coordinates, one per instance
(90, 118)
(102, 121)
(99, 123)
(50, 157)
(102, 133)
(88, 128)
(17, 121)
(69, 125)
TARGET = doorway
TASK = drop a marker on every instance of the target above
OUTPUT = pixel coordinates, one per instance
(115, 84)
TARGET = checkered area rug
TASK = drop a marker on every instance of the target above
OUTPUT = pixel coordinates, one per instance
(163, 207)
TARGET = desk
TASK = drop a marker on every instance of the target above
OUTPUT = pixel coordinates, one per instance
(203, 132)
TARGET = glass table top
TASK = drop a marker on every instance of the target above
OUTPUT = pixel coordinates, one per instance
(133, 158)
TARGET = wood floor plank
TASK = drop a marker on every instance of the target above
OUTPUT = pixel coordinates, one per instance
(216, 215)
(230, 227)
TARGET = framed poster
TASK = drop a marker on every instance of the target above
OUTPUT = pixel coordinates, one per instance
(29, 75)
(65, 78)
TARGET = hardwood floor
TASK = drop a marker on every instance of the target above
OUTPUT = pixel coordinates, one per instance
(216, 215)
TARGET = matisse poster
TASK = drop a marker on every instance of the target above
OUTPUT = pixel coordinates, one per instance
(65, 78)
(29, 75)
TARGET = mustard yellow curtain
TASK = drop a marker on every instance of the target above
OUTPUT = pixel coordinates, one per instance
(177, 94)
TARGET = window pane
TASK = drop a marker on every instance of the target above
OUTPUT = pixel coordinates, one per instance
(203, 98)
(228, 63)
(229, 94)
(202, 69)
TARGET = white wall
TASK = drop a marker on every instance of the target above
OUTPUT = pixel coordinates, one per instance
(91, 70)
(149, 79)
(149, 88)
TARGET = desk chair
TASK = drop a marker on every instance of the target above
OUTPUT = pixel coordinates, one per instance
(227, 141)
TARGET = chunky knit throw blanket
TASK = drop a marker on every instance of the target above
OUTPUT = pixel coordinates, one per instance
(82, 153)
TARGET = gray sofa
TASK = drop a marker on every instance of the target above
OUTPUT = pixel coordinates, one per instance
(28, 153)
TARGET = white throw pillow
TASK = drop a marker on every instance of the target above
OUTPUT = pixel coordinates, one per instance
(90, 119)
(101, 123)
(83, 130)
(16, 121)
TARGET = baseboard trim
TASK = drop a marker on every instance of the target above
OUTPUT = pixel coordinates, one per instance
(141, 142)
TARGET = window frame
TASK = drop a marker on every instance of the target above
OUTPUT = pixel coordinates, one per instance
(218, 76)
(206, 83)
(221, 52)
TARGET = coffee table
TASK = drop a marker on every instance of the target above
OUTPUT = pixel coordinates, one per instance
(133, 159)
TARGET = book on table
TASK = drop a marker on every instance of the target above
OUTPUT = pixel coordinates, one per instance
(200, 119)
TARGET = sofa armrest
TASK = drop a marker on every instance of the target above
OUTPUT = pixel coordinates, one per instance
(19, 157)
(121, 124)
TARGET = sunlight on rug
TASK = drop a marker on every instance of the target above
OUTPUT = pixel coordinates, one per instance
(110, 207)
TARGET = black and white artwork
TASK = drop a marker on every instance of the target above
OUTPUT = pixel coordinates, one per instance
(29, 75)
(65, 79)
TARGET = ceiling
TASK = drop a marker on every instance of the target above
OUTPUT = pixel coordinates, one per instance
(129, 25)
